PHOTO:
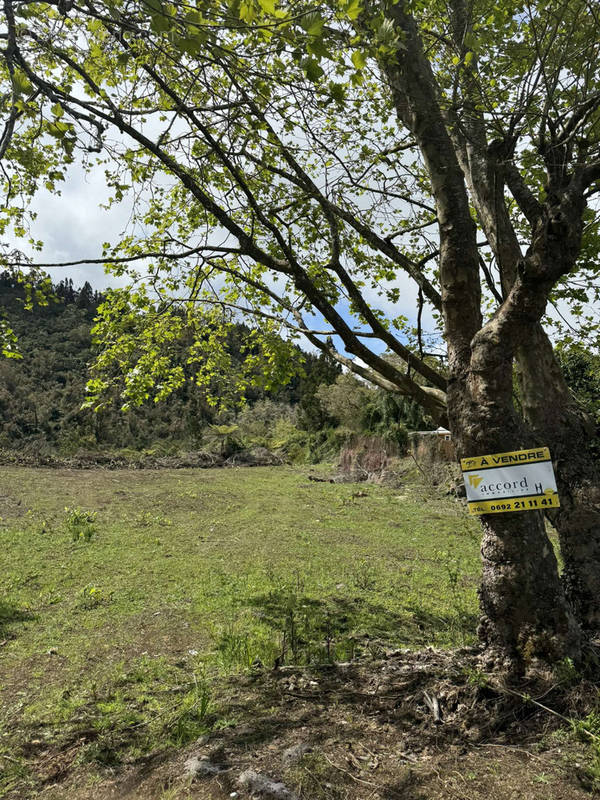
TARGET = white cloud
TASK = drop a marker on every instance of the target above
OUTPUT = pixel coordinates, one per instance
(73, 227)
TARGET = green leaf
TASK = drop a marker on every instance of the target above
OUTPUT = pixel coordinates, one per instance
(59, 129)
(247, 11)
(57, 110)
(353, 9)
(192, 45)
(160, 23)
(337, 92)
(358, 59)
(313, 24)
(155, 6)
(312, 69)
(268, 6)
(316, 47)
(21, 83)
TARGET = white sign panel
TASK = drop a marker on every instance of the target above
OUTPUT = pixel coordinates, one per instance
(521, 480)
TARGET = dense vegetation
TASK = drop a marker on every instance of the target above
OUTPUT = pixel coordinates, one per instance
(41, 395)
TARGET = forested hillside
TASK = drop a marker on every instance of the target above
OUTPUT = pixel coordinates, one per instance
(41, 394)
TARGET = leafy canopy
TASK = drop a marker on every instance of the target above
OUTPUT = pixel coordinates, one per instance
(272, 176)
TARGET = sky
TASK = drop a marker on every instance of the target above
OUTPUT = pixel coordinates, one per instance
(73, 227)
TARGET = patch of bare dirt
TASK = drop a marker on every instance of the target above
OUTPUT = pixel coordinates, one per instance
(415, 726)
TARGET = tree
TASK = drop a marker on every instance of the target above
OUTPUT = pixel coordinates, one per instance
(293, 161)
(346, 400)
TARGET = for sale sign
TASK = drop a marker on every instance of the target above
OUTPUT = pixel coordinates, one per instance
(522, 480)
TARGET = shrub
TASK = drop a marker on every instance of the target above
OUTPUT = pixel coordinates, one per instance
(80, 524)
(346, 400)
(290, 442)
(258, 423)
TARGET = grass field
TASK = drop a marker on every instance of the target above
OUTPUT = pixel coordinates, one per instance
(187, 575)
(129, 598)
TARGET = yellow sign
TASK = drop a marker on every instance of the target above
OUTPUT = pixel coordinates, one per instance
(514, 458)
(521, 480)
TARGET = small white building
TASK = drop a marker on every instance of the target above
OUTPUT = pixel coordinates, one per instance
(442, 433)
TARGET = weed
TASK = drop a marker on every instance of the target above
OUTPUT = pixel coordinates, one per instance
(13, 772)
(587, 730)
(365, 576)
(91, 597)
(189, 720)
(476, 677)
(80, 524)
(173, 793)
(460, 597)
(147, 519)
(234, 648)
(589, 773)
(588, 727)
(566, 673)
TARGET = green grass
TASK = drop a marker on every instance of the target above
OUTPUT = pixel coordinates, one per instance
(115, 639)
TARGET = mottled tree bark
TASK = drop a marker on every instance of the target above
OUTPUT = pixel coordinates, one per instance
(519, 594)
(549, 408)
(547, 404)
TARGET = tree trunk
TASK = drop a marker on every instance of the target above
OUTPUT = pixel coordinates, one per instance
(547, 403)
(525, 617)
(526, 621)
(551, 411)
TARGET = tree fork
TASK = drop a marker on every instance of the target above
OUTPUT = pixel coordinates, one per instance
(547, 404)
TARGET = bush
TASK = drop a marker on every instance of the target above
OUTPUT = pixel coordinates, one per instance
(325, 445)
(225, 437)
(346, 400)
(290, 442)
(258, 423)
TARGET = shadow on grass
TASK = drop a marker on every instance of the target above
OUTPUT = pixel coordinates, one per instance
(461, 621)
(10, 614)
(338, 628)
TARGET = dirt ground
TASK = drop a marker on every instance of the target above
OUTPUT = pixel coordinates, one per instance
(415, 726)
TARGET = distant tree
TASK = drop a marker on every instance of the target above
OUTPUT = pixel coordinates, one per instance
(320, 370)
(346, 400)
(85, 297)
(385, 410)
